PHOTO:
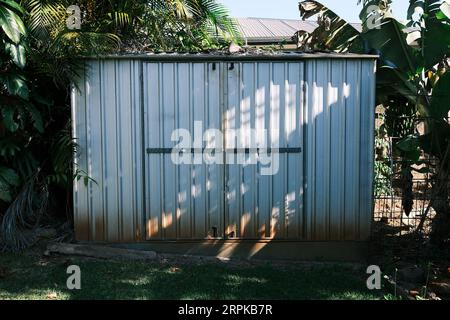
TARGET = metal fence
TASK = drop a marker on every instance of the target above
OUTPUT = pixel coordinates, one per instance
(389, 213)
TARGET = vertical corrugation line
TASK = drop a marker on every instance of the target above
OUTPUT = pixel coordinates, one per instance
(176, 121)
(306, 88)
(344, 180)
(88, 194)
(328, 145)
(358, 154)
(161, 157)
(207, 123)
(191, 103)
(119, 154)
(139, 170)
(269, 141)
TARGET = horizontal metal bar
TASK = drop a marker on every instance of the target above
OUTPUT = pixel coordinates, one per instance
(159, 150)
(213, 150)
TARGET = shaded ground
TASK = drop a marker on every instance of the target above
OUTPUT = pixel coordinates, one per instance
(32, 276)
(421, 269)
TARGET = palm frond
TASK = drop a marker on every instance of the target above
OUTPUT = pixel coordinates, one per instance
(217, 18)
(86, 43)
(22, 216)
(181, 8)
(63, 149)
(45, 16)
(119, 19)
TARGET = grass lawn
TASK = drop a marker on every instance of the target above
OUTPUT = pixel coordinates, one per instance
(34, 277)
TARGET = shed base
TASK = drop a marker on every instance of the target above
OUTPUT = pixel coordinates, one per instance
(349, 251)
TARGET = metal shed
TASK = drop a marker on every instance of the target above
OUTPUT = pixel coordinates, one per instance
(314, 113)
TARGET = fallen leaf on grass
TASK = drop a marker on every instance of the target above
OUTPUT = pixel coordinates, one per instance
(174, 269)
(52, 296)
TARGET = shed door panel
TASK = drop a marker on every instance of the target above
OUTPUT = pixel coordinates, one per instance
(183, 201)
(262, 102)
(264, 105)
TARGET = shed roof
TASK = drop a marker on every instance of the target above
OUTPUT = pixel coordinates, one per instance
(246, 56)
(268, 30)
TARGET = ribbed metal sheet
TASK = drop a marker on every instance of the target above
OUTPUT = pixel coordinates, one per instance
(231, 200)
(268, 97)
(255, 30)
(183, 201)
(339, 143)
(265, 30)
(107, 125)
(324, 107)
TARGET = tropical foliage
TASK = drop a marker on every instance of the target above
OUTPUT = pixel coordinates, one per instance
(413, 79)
(38, 63)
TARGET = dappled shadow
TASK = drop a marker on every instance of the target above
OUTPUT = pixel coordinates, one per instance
(237, 202)
(113, 280)
(317, 194)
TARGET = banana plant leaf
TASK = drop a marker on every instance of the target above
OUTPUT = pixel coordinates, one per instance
(332, 34)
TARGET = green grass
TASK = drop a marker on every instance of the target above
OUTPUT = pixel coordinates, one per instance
(30, 277)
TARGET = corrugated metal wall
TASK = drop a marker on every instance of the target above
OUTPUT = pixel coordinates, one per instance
(183, 201)
(339, 129)
(266, 96)
(325, 107)
(107, 125)
(200, 201)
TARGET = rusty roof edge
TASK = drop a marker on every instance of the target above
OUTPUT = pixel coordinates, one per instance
(232, 57)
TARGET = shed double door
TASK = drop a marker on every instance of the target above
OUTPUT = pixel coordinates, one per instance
(239, 197)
